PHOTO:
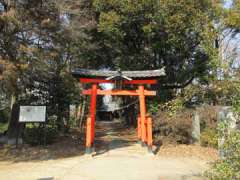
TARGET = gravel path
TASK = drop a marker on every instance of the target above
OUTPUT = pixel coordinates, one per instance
(117, 159)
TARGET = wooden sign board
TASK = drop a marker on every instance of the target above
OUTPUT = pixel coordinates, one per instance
(32, 114)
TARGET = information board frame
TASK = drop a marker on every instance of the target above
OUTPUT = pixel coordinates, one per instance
(32, 108)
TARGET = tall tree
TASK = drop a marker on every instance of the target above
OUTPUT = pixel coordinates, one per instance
(36, 52)
(177, 35)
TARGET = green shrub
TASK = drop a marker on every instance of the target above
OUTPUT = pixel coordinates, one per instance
(4, 115)
(228, 168)
(174, 106)
(209, 137)
(36, 136)
(153, 107)
(72, 122)
(3, 127)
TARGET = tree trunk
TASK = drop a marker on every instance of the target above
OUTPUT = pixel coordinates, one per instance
(67, 119)
(14, 127)
(60, 123)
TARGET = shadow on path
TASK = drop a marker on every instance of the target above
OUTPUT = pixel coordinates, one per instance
(113, 135)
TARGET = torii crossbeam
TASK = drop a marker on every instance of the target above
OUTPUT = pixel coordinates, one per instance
(139, 78)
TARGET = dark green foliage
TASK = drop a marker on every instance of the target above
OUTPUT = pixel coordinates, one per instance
(3, 127)
(155, 34)
(4, 115)
(35, 135)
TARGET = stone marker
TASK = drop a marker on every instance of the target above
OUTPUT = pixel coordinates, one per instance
(196, 127)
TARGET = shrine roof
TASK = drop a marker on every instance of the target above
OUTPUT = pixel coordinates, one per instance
(90, 73)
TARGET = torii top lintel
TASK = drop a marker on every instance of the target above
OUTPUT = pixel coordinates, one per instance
(128, 77)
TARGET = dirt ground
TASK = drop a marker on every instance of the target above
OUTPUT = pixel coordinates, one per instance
(118, 157)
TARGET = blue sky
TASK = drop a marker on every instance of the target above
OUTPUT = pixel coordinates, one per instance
(228, 3)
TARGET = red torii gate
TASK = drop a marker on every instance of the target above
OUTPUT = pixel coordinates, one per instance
(144, 125)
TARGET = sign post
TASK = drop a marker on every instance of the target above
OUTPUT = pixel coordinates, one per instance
(32, 114)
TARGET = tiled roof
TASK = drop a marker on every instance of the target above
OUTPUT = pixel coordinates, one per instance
(106, 73)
